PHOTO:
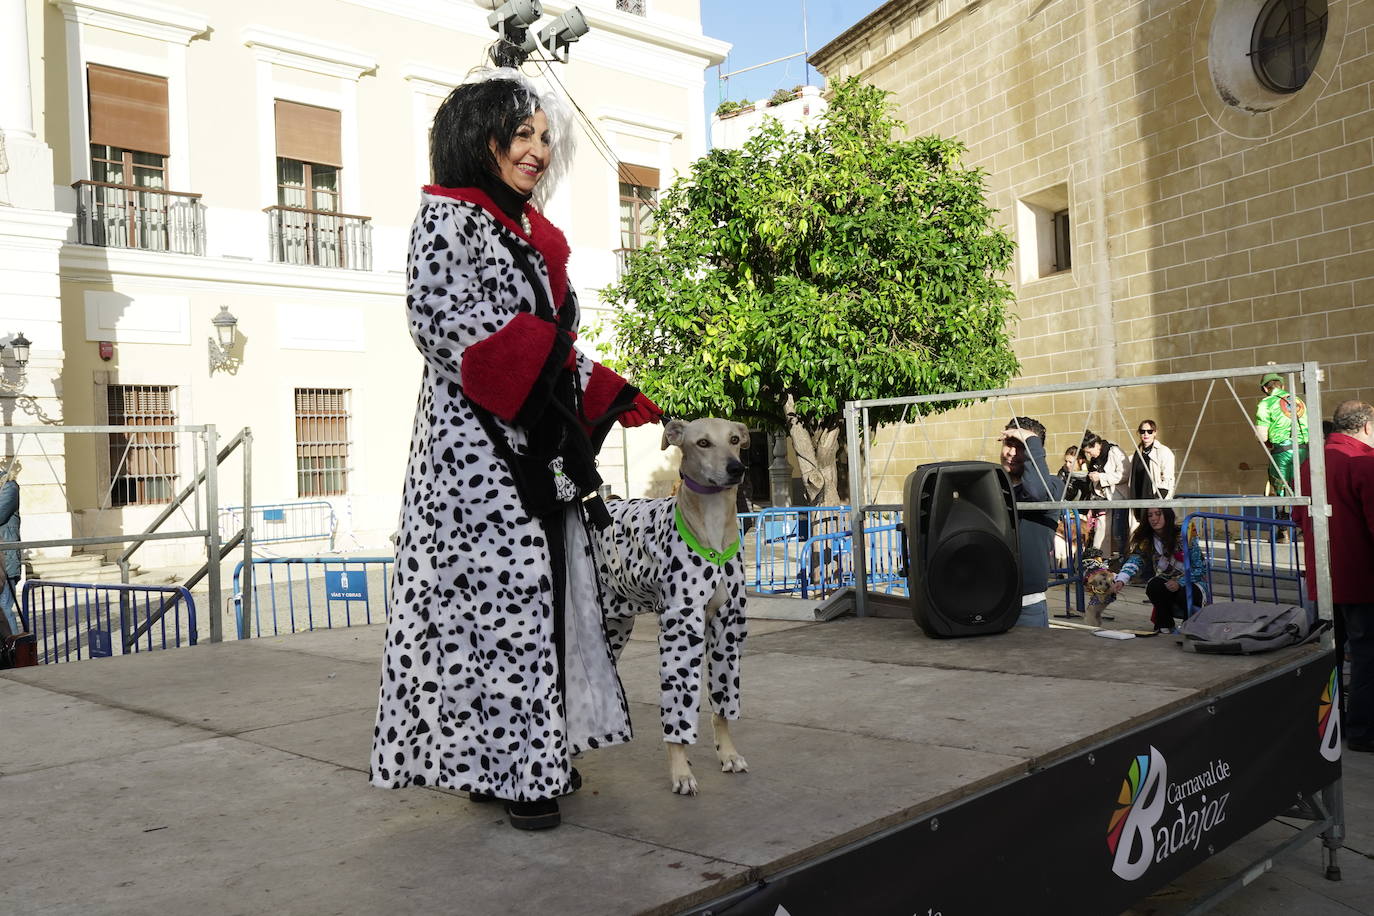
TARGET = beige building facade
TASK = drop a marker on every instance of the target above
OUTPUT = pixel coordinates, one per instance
(1174, 208)
(265, 159)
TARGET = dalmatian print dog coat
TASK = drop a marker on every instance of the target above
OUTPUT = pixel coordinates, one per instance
(646, 566)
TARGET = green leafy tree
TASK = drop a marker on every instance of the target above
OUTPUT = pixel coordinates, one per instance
(808, 269)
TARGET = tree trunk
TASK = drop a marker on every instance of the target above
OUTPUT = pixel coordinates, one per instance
(816, 451)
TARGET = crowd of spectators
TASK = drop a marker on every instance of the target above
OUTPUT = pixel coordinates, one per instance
(1155, 551)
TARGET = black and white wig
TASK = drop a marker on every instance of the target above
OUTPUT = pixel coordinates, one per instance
(491, 104)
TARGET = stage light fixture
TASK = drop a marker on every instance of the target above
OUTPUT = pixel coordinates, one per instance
(554, 38)
(514, 15)
(511, 21)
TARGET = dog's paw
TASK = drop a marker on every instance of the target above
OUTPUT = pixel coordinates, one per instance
(733, 763)
(685, 785)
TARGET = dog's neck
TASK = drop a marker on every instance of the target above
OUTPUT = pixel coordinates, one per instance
(710, 516)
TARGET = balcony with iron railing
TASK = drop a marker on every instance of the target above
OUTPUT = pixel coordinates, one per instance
(128, 216)
(319, 238)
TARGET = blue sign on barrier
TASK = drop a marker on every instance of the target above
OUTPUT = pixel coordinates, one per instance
(274, 515)
(342, 585)
(98, 643)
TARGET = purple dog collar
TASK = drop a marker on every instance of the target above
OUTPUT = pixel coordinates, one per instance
(697, 487)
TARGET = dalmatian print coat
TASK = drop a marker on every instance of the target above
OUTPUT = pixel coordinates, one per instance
(475, 692)
(645, 565)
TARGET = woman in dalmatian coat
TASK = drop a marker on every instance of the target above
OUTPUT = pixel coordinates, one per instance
(496, 668)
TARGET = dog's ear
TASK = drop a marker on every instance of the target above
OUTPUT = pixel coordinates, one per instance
(672, 433)
(743, 432)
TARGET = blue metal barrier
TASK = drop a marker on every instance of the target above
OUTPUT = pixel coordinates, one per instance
(343, 592)
(827, 561)
(1069, 576)
(1252, 566)
(276, 522)
(76, 620)
(785, 548)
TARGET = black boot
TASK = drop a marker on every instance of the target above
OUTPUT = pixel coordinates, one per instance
(534, 815)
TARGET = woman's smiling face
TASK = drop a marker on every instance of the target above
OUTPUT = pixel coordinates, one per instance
(525, 162)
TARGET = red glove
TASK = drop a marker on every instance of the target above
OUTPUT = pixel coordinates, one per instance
(642, 410)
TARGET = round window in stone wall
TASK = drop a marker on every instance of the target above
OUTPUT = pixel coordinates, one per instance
(1286, 42)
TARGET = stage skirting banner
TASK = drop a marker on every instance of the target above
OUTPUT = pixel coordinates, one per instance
(1097, 831)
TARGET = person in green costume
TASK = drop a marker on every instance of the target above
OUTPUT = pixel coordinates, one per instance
(1281, 424)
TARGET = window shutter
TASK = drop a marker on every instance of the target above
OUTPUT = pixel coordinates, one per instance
(128, 110)
(640, 175)
(308, 134)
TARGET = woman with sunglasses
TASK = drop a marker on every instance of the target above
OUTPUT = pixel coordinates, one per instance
(1151, 473)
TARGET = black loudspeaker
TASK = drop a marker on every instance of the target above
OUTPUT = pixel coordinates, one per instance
(964, 559)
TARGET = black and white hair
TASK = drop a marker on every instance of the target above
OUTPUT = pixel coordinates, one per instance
(490, 105)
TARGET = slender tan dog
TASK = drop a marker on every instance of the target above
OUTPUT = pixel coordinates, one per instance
(679, 558)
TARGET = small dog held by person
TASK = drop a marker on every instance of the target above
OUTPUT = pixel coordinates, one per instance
(1098, 579)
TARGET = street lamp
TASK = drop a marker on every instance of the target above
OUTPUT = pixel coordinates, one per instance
(19, 344)
(226, 332)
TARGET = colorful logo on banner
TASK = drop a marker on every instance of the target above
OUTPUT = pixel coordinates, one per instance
(1329, 718)
(1140, 831)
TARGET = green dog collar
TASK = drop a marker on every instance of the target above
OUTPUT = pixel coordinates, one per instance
(718, 557)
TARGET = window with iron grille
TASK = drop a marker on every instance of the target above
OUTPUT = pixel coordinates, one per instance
(635, 7)
(321, 441)
(143, 466)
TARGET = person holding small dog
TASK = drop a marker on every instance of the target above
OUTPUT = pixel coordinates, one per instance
(1158, 547)
(497, 669)
(1023, 458)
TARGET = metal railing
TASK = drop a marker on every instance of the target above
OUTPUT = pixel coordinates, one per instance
(633, 7)
(862, 416)
(320, 238)
(277, 522)
(216, 549)
(1246, 558)
(75, 620)
(343, 592)
(201, 525)
(149, 219)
